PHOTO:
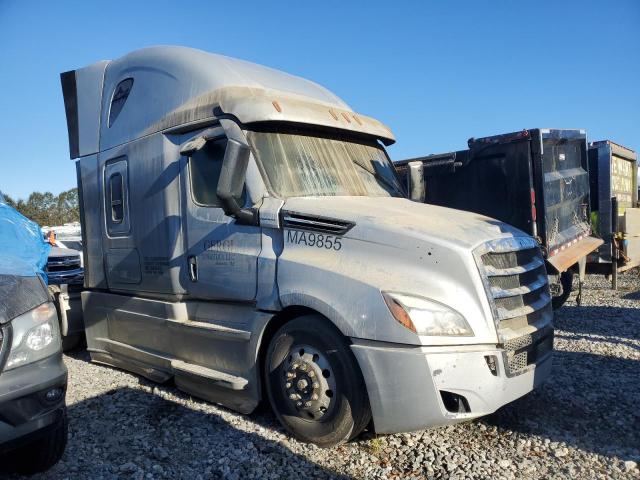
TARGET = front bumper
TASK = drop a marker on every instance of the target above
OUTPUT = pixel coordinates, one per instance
(24, 411)
(405, 383)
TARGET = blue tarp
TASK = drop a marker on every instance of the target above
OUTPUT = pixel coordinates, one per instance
(23, 251)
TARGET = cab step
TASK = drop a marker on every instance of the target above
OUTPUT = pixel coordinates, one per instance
(220, 378)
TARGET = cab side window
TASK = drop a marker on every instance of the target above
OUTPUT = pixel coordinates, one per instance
(205, 166)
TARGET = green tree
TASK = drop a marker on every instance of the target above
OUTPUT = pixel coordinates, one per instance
(48, 209)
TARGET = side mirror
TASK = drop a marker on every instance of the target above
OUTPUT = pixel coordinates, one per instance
(231, 182)
(415, 182)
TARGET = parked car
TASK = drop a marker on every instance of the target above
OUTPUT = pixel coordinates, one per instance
(33, 377)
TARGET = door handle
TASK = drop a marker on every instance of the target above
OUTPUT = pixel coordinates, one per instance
(193, 268)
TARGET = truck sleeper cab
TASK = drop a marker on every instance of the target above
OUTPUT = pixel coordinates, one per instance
(245, 235)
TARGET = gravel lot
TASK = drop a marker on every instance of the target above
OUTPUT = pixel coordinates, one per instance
(584, 423)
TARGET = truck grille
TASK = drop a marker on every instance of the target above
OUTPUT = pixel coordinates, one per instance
(521, 353)
(515, 280)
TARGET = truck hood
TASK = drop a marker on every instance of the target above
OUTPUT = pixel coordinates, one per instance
(390, 220)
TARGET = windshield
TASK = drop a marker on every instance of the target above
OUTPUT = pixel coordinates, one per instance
(303, 166)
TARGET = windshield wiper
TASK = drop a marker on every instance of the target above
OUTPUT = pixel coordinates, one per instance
(378, 176)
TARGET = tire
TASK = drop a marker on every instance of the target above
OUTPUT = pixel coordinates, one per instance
(565, 284)
(43, 453)
(310, 359)
(71, 342)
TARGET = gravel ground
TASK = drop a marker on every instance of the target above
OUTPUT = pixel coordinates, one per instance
(583, 423)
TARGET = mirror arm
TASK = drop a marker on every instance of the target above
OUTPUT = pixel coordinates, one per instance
(415, 181)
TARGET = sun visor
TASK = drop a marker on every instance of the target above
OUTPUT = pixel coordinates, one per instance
(82, 91)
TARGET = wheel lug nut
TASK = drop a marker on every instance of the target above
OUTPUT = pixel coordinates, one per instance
(312, 374)
(293, 396)
(307, 404)
(290, 374)
(288, 385)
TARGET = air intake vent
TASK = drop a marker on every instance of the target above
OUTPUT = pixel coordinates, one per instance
(315, 223)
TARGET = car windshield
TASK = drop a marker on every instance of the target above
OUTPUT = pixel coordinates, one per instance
(302, 166)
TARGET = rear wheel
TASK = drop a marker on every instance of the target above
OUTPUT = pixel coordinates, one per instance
(314, 384)
(560, 286)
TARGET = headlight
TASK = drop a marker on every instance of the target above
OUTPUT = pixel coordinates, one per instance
(426, 317)
(36, 335)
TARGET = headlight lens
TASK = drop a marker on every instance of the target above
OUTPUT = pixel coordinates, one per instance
(36, 335)
(426, 317)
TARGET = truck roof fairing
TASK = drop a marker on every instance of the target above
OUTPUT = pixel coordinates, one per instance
(175, 86)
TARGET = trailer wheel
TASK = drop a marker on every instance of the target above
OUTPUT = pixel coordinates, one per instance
(560, 286)
(314, 384)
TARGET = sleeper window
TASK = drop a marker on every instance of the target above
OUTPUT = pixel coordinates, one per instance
(205, 165)
(120, 95)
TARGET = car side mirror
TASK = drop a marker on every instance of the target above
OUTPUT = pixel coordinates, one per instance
(415, 182)
(231, 182)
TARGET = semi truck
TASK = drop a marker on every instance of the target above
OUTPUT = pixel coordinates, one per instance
(536, 180)
(613, 173)
(246, 236)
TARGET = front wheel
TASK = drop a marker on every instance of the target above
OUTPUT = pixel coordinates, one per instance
(41, 454)
(560, 286)
(314, 384)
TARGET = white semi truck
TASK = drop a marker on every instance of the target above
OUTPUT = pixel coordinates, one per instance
(245, 235)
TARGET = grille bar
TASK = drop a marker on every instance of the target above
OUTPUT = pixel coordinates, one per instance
(499, 292)
(515, 270)
(542, 299)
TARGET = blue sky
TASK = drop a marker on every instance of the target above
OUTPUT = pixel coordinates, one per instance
(436, 72)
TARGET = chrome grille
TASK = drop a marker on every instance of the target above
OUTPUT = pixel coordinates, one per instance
(516, 284)
(514, 276)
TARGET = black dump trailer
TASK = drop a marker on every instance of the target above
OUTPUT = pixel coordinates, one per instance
(615, 215)
(536, 180)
